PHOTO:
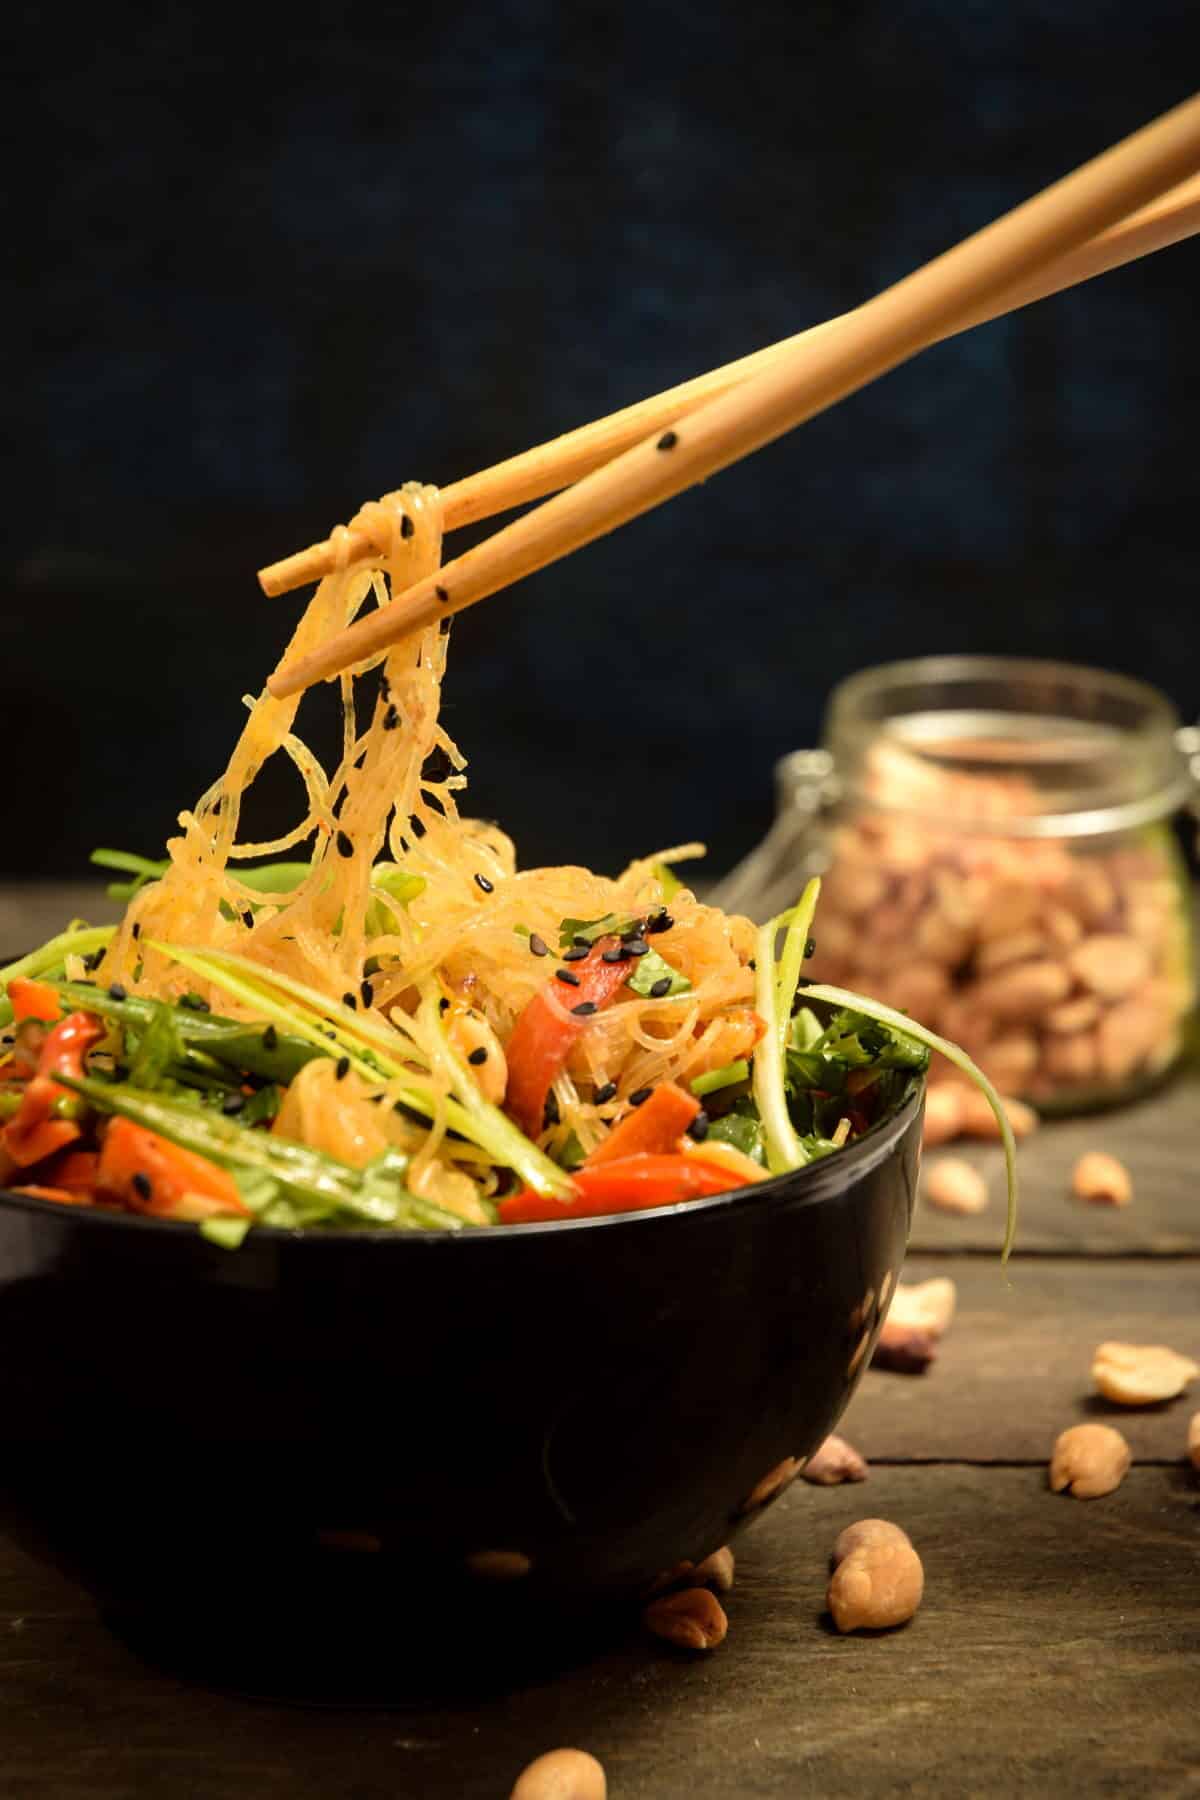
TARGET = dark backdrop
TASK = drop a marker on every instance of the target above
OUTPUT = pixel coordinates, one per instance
(272, 265)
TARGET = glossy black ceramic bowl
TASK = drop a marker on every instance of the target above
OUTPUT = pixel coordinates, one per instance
(548, 1414)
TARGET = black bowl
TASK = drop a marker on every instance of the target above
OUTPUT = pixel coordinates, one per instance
(541, 1416)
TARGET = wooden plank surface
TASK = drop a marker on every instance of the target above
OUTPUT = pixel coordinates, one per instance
(1155, 1138)
(1014, 1369)
(1058, 1649)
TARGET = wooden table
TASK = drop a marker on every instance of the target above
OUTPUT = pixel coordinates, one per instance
(1057, 1652)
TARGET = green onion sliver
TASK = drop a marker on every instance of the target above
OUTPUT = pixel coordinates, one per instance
(727, 1076)
(82, 942)
(783, 1148)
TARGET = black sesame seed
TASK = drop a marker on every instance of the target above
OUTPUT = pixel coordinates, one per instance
(443, 1004)
(94, 960)
(367, 992)
(616, 954)
(660, 922)
(117, 992)
(195, 1003)
(566, 975)
(342, 1068)
(135, 930)
(351, 1001)
(233, 1103)
(698, 1129)
(810, 948)
(406, 525)
(270, 1038)
(752, 964)
(248, 919)
(391, 718)
(637, 947)
(668, 440)
(485, 886)
(660, 987)
(550, 1112)
(577, 952)
(442, 595)
(345, 846)
(141, 1185)
(585, 1009)
(538, 945)
(604, 1094)
(444, 627)
(478, 1057)
(641, 1096)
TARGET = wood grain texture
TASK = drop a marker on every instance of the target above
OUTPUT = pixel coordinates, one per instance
(1155, 1138)
(1058, 1648)
(1014, 1369)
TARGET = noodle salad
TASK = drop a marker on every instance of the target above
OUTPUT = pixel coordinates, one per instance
(378, 1020)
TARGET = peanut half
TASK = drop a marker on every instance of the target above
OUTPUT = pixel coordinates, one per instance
(954, 1186)
(1193, 1441)
(919, 1314)
(1101, 1180)
(1141, 1374)
(836, 1461)
(562, 1775)
(1089, 1460)
(694, 1619)
(877, 1577)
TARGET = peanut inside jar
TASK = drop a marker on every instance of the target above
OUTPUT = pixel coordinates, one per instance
(963, 890)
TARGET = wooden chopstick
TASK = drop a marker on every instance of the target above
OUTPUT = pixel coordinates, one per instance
(554, 465)
(805, 379)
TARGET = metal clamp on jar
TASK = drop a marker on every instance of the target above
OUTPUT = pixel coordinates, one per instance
(996, 837)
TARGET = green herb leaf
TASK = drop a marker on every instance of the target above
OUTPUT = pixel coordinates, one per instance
(741, 1129)
(649, 970)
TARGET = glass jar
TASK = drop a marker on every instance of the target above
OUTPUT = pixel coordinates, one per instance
(997, 842)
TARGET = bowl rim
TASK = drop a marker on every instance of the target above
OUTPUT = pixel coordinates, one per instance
(856, 1159)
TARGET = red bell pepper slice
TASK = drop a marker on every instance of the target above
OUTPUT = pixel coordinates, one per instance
(548, 1029)
(654, 1128)
(33, 1133)
(629, 1185)
(148, 1174)
(33, 1000)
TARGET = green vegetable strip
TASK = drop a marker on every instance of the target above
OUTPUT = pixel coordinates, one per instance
(226, 1233)
(799, 925)
(784, 1149)
(39, 962)
(887, 1015)
(481, 1123)
(726, 1076)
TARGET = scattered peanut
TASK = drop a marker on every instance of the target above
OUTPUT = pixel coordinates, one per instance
(693, 1618)
(836, 1461)
(903, 1349)
(1193, 1441)
(562, 1775)
(979, 1121)
(1089, 1460)
(926, 1305)
(953, 1186)
(877, 1577)
(1101, 1179)
(1141, 1374)
(943, 1113)
(771, 1485)
(716, 1571)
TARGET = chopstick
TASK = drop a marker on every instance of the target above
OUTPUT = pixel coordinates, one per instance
(548, 467)
(797, 381)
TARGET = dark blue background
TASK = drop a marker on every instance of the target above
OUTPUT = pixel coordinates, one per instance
(272, 265)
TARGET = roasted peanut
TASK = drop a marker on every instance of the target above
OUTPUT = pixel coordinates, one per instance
(562, 1775)
(1073, 1015)
(1112, 965)
(979, 1121)
(1193, 1441)
(1071, 1060)
(693, 1618)
(952, 1185)
(1089, 1460)
(904, 1349)
(943, 1113)
(999, 953)
(877, 1578)
(924, 1305)
(1024, 992)
(1101, 1179)
(1141, 1374)
(716, 1571)
(834, 1462)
